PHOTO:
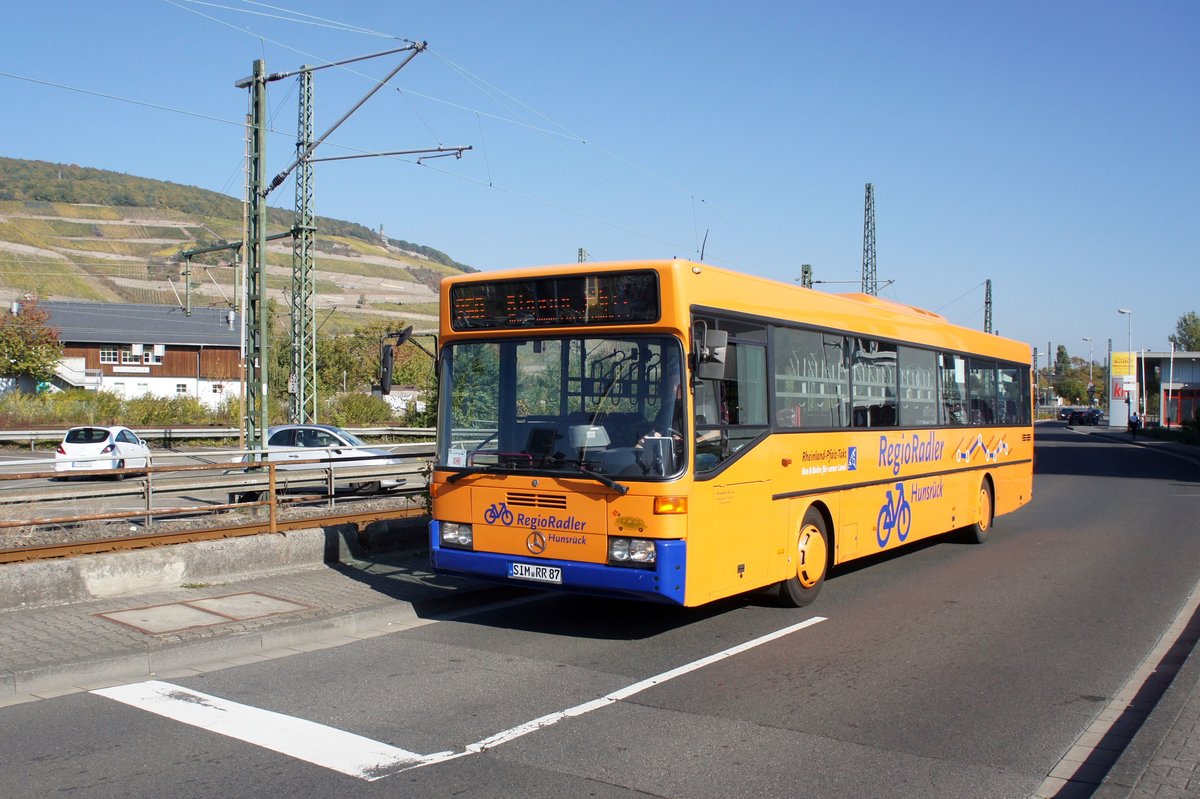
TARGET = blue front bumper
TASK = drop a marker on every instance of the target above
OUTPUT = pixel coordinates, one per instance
(664, 583)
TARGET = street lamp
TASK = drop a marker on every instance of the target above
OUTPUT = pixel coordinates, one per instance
(1129, 349)
(1129, 328)
(1088, 339)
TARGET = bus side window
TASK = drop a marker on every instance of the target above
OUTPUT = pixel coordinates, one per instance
(982, 387)
(918, 387)
(732, 412)
(873, 383)
(953, 369)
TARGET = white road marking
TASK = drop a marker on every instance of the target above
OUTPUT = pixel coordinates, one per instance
(304, 740)
(353, 754)
(551, 719)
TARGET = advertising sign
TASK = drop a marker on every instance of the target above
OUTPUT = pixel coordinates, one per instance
(1124, 363)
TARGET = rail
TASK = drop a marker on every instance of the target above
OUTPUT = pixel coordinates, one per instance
(155, 539)
(198, 491)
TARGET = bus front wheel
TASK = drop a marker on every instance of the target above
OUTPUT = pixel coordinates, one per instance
(985, 511)
(811, 562)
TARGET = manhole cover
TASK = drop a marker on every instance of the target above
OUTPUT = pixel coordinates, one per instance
(178, 616)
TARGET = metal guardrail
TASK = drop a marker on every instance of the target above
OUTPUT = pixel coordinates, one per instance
(265, 485)
(185, 433)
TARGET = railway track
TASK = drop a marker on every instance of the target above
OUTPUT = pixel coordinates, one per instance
(269, 524)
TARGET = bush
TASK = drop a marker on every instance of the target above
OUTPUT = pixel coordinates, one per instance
(150, 411)
(85, 407)
(357, 410)
(22, 410)
(228, 413)
(77, 407)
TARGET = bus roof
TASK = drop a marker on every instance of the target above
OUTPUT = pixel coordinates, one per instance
(688, 285)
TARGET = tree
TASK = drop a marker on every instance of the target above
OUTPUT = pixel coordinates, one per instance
(349, 360)
(29, 346)
(1187, 333)
(1062, 361)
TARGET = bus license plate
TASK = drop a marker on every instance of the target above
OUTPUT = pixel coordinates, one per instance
(539, 574)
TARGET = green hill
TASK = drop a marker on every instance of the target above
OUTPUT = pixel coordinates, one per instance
(71, 232)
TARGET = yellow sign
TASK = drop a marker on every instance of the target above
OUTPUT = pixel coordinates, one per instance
(1124, 363)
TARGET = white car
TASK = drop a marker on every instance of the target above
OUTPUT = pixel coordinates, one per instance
(308, 442)
(89, 448)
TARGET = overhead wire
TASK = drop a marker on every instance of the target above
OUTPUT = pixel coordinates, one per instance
(959, 297)
(490, 90)
(477, 82)
(129, 100)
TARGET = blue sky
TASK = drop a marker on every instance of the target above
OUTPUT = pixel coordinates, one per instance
(1050, 147)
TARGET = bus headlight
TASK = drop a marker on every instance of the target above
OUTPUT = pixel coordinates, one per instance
(631, 551)
(458, 535)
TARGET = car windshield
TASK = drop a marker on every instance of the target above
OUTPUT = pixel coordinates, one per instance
(610, 406)
(351, 439)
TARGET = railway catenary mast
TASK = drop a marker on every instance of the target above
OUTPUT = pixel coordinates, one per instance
(870, 284)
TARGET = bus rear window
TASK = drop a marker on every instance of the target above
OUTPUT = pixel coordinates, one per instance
(562, 301)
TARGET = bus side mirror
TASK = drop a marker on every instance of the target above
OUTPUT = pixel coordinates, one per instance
(710, 360)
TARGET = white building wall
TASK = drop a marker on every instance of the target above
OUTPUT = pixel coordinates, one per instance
(129, 386)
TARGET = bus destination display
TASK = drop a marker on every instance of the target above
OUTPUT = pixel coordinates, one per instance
(563, 301)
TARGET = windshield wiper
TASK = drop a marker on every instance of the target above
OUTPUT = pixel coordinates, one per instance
(600, 478)
(492, 468)
(503, 469)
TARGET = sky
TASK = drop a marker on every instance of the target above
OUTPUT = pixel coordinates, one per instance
(1051, 148)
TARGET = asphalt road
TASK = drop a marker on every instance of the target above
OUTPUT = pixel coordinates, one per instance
(948, 670)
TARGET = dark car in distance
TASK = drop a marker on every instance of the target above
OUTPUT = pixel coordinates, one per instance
(1088, 416)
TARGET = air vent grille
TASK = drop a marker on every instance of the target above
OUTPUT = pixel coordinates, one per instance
(528, 499)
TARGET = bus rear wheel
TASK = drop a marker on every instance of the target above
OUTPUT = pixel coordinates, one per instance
(985, 511)
(812, 561)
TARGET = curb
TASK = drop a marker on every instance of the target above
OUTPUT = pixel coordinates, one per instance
(1174, 449)
(1139, 756)
(207, 654)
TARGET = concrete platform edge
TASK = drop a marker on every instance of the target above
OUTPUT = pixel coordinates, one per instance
(89, 577)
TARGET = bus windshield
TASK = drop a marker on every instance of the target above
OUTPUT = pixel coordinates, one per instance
(566, 405)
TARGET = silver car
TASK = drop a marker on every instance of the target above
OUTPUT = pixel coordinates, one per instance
(308, 442)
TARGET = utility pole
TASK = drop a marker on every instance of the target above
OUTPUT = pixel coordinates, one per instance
(302, 388)
(1037, 385)
(987, 306)
(256, 420)
(583, 255)
(869, 283)
(806, 278)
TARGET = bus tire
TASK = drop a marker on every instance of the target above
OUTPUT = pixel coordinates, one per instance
(811, 561)
(985, 512)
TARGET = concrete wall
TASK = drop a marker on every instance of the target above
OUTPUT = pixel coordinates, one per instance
(88, 577)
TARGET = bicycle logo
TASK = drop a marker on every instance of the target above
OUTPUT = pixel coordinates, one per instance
(498, 511)
(896, 514)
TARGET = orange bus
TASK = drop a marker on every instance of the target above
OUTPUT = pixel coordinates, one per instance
(673, 431)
